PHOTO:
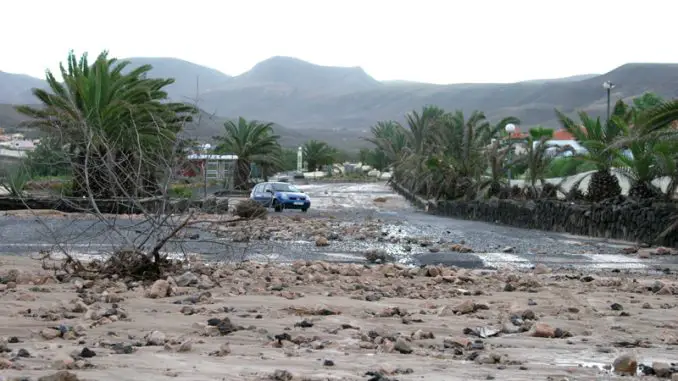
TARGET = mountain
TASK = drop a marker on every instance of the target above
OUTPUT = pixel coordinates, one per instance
(190, 79)
(16, 88)
(339, 104)
(293, 75)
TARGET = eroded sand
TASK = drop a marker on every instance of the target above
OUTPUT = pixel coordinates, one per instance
(361, 318)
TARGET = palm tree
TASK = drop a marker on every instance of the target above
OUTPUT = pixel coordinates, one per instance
(537, 158)
(650, 149)
(496, 155)
(254, 143)
(119, 127)
(597, 139)
(317, 154)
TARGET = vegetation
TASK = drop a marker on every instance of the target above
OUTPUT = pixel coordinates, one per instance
(111, 121)
(254, 143)
(449, 155)
(318, 154)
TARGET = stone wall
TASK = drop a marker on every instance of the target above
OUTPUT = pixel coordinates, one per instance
(76, 205)
(629, 220)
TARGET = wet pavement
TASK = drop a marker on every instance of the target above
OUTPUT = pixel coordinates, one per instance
(493, 245)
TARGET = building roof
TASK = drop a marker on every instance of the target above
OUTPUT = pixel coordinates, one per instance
(212, 157)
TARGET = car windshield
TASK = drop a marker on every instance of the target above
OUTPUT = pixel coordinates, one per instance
(285, 188)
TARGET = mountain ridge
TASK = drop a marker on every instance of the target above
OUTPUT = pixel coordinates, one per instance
(341, 103)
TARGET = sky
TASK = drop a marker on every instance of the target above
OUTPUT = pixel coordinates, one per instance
(436, 41)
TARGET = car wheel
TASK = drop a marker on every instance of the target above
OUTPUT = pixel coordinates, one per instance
(277, 207)
(304, 210)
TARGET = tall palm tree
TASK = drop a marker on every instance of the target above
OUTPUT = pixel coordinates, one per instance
(253, 142)
(119, 127)
(597, 138)
(317, 154)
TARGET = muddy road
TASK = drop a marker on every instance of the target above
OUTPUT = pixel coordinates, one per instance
(342, 205)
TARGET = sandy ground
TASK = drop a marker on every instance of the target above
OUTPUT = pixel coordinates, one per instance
(321, 321)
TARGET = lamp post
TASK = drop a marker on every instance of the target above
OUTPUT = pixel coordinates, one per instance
(206, 147)
(510, 129)
(607, 85)
(300, 159)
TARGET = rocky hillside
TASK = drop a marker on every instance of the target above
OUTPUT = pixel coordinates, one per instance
(342, 103)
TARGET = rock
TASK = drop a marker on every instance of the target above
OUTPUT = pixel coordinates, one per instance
(544, 330)
(281, 375)
(160, 289)
(456, 342)
(540, 269)
(465, 307)
(87, 353)
(377, 256)
(50, 333)
(5, 363)
(186, 346)
(422, 335)
(662, 369)
(62, 375)
(616, 307)
(674, 377)
(155, 338)
(23, 353)
(402, 346)
(625, 365)
(224, 350)
(322, 241)
(507, 249)
(187, 279)
(328, 363)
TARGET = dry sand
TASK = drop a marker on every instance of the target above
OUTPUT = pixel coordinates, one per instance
(333, 322)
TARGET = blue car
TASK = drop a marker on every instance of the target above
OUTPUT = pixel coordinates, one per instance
(280, 196)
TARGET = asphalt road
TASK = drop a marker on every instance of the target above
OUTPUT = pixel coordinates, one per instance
(351, 202)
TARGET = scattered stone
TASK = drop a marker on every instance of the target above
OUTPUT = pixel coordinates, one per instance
(87, 353)
(61, 375)
(544, 330)
(23, 353)
(616, 307)
(402, 346)
(328, 363)
(322, 241)
(281, 375)
(662, 369)
(50, 333)
(160, 289)
(155, 338)
(625, 365)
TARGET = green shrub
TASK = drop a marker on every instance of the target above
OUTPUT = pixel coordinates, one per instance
(568, 166)
(181, 191)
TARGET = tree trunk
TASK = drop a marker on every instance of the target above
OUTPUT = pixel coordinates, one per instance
(242, 174)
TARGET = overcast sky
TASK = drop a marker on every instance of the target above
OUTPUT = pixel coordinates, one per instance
(438, 41)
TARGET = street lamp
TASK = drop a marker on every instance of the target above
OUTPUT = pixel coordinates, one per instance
(607, 85)
(510, 129)
(205, 148)
(300, 159)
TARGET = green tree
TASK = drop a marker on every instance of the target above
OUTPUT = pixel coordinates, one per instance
(647, 101)
(49, 158)
(318, 154)
(541, 132)
(118, 126)
(254, 143)
(598, 139)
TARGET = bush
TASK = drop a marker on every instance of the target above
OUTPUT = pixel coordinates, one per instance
(181, 191)
(250, 209)
(568, 166)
